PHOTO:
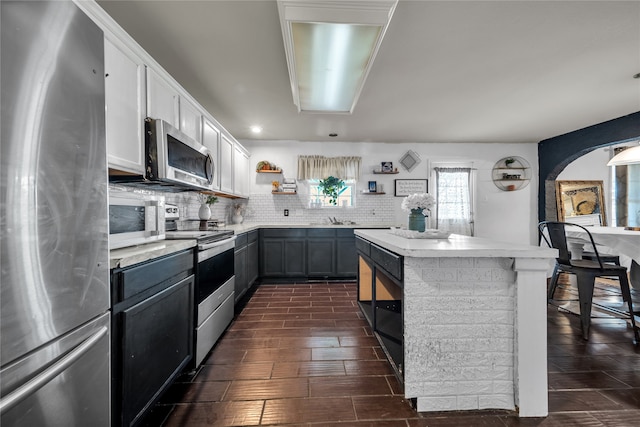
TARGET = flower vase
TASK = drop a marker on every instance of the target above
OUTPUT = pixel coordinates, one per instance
(416, 220)
(204, 212)
(237, 219)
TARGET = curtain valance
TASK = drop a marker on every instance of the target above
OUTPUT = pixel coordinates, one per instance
(321, 167)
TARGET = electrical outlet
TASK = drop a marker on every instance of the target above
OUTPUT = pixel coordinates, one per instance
(286, 212)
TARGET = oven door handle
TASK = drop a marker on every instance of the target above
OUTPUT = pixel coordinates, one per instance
(205, 246)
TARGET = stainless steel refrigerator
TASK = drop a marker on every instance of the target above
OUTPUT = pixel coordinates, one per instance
(55, 321)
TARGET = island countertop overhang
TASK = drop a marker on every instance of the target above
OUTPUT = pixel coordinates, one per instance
(454, 247)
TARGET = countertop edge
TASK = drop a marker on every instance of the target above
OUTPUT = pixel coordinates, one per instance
(456, 246)
(126, 257)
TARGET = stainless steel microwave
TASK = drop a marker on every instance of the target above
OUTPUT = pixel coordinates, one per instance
(176, 159)
(135, 218)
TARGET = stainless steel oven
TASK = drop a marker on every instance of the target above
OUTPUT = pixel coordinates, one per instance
(214, 288)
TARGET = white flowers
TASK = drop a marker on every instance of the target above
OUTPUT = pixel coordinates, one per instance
(422, 201)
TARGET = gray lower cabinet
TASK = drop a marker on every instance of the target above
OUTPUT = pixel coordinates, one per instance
(246, 262)
(282, 252)
(253, 258)
(307, 253)
(346, 255)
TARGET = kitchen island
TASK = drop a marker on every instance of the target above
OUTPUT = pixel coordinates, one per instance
(470, 318)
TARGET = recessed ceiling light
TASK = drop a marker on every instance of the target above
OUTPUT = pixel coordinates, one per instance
(333, 135)
(256, 129)
(636, 76)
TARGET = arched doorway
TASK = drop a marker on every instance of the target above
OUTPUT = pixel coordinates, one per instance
(554, 154)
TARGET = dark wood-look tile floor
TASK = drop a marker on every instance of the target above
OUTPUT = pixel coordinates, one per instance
(302, 355)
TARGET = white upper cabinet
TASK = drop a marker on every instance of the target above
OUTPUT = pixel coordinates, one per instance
(190, 119)
(240, 171)
(125, 94)
(225, 164)
(163, 99)
(211, 140)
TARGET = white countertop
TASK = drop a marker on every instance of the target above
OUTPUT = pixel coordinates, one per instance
(243, 228)
(131, 255)
(455, 246)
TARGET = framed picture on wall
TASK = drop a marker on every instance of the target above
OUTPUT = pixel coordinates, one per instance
(405, 187)
(581, 202)
(373, 187)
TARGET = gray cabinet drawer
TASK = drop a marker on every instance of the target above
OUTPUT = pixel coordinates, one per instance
(344, 232)
(283, 232)
(391, 262)
(321, 232)
(253, 236)
(363, 246)
(241, 240)
(134, 280)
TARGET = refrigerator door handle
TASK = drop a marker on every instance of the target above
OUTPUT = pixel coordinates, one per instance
(31, 386)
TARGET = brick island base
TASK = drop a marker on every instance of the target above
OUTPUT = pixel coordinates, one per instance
(473, 336)
(474, 323)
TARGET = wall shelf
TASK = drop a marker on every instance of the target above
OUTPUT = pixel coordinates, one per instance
(284, 192)
(269, 171)
(511, 173)
(385, 173)
(377, 193)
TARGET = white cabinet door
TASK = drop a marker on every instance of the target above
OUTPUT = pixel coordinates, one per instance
(125, 96)
(211, 140)
(226, 164)
(240, 171)
(163, 99)
(190, 119)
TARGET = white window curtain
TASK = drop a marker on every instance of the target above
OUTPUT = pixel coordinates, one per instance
(454, 210)
(321, 167)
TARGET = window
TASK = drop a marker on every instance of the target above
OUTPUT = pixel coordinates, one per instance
(626, 196)
(454, 200)
(346, 198)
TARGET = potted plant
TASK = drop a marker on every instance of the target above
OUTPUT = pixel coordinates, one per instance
(418, 206)
(331, 187)
(206, 200)
(263, 165)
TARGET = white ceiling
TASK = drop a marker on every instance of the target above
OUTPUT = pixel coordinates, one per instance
(447, 71)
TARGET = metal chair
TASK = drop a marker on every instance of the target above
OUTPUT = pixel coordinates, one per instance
(586, 272)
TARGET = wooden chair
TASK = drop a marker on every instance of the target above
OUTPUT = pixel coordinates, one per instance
(586, 272)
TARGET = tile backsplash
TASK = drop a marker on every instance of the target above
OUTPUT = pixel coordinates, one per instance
(269, 208)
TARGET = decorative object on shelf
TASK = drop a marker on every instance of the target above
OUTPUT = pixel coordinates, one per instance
(265, 166)
(275, 185)
(418, 206)
(511, 173)
(237, 210)
(581, 201)
(372, 187)
(331, 187)
(204, 212)
(404, 187)
(410, 160)
(387, 167)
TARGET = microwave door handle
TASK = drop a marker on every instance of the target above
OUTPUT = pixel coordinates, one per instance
(210, 168)
(156, 230)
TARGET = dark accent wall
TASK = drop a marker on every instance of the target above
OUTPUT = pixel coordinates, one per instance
(554, 154)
